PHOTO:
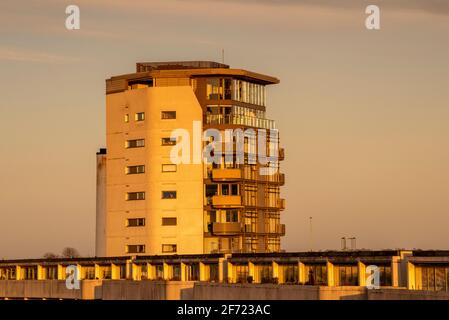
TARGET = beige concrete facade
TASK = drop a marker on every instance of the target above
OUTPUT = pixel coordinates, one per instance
(187, 181)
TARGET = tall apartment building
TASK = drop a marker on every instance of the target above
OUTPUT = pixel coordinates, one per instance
(148, 205)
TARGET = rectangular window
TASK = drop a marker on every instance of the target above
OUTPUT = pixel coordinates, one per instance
(135, 248)
(168, 141)
(168, 115)
(126, 118)
(169, 221)
(135, 196)
(169, 248)
(135, 169)
(168, 194)
(232, 216)
(137, 143)
(169, 168)
(140, 116)
(135, 222)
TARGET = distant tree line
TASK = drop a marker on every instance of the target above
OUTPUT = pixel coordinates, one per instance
(67, 252)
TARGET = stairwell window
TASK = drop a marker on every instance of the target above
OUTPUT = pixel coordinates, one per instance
(136, 143)
(135, 222)
(135, 248)
(169, 168)
(135, 169)
(168, 194)
(169, 248)
(166, 115)
(168, 141)
(169, 221)
(135, 196)
(140, 116)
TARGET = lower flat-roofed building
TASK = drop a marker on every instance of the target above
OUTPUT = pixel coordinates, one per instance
(398, 269)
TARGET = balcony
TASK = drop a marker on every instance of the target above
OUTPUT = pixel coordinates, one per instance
(226, 201)
(281, 204)
(281, 154)
(226, 174)
(240, 120)
(226, 228)
(280, 229)
(281, 178)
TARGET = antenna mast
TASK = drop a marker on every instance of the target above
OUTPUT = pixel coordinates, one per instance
(310, 235)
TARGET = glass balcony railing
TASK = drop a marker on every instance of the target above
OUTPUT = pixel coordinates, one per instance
(240, 120)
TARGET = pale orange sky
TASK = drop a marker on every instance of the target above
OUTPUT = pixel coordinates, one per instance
(363, 115)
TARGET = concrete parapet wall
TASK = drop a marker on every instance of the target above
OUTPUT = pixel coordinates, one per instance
(189, 290)
(49, 289)
(404, 294)
(218, 291)
(146, 290)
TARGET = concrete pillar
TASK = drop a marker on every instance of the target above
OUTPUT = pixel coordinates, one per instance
(151, 271)
(166, 271)
(330, 274)
(302, 277)
(79, 269)
(101, 216)
(129, 269)
(276, 271)
(183, 272)
(40, 272)
(136, 274)
(230, 272)
(61, 272)
(411, 279)
(115, 272)
(203, 272)
(98, 273)
(19, 275)
(222, 270)
(252, 272)
(362, 273)
(395, 272)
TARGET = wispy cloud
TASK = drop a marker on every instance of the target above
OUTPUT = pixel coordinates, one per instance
(429, 6)
(24, 55)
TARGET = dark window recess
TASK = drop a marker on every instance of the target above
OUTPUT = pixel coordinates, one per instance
(166, 115)
(169, 221)
(137, 143)
(168, 194)
(135, 196)
(135, 169)
(166, 248)
(135, 248)
(168, 141)
(137, 222)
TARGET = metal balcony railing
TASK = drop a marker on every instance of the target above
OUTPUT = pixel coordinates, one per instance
(240, 120)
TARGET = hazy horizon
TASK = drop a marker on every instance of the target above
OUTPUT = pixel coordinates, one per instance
(363, 115)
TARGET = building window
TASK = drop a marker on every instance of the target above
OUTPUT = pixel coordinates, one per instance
(135, 248)
(135, 222)
(140, 116)
(166, 115)
(135, 196)
(168, 194)
(169, 168)
(137, 143)
(135, 169)
(126, 118)
(229, 189)
(232, 216)
(168, 141)
(169, 248)
(169, 221)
